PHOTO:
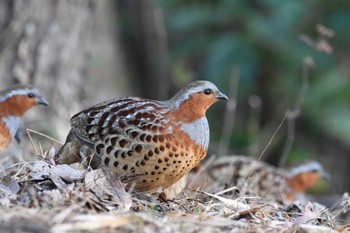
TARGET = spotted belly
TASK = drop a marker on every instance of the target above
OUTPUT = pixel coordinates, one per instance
(152, 163)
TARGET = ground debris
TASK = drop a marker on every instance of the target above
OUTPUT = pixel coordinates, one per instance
(107, 189)
(45, 197)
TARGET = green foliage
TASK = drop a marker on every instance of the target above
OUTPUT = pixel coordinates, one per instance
(261, 38)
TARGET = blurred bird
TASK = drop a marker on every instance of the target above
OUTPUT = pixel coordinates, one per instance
(259, 178)
(14, 103)
(154, 142)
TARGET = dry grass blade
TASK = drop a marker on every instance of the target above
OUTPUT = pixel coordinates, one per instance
(232, 203)
(94, 222)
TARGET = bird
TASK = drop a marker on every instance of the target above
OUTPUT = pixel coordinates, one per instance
(154, 142)
(258, 178)
(15, 101)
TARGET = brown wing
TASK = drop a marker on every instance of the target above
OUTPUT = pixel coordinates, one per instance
(116, 117)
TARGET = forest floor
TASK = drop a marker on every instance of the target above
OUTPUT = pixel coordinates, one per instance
(39, 196)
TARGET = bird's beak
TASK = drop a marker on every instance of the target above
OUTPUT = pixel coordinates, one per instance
(41, 100)
(325, 175)
(221, 96)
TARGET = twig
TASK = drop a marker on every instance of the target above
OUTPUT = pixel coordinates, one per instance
(230, 112)
(44, 135)
(292, 115)
(264, 150)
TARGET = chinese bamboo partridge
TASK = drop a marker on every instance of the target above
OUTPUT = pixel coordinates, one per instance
(258, 178)
(14, 102)
(157, 142)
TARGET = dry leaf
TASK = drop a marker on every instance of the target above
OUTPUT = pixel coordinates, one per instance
(8, 186)
(110, 192)
(307, 215)
(59, 174)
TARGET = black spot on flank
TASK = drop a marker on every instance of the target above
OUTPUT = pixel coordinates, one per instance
(176, 155)
(130, 152)
(143, 162)
(162, 148)
(137, 163)
(134, 122)
(109, 149)
(99, 147)
(116, 154)
(150, 153)
(146, 157)
(171, 154)
(157, 178)
(152, 181)
(134, 134)
(88, 127)
(114, 141)
(160, 160)
(125, 167)
(115, 164)
(164, 168)
(89, 120)
(154, 128)
(174, 149)
(123, 155)
(132, 170)
(106, 140)
(143, 137)
(166, 159)
(156, 150)
(174, 161)
(148, 138)
(122, 143)
(138, 148)
(144, 181)
(155, 138)
(153, 173)
(121, 124)
(159, 173)
(156, 167)
(106, 160)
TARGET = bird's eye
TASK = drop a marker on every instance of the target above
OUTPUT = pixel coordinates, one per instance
(31, 95)
(208, 91)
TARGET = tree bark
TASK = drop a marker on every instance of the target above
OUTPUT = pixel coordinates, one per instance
(68, 49)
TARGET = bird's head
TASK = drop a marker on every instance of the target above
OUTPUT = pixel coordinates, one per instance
(17, 99)
(192, 101)
(306, 175)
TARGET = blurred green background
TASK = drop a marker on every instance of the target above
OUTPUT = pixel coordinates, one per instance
(278, 55)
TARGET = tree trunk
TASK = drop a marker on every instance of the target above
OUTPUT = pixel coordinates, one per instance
(68, 49)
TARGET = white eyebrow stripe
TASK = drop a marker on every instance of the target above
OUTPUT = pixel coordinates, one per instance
(14, 92)
(185, 95)
(305, 168)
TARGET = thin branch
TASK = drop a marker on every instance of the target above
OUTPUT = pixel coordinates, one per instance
(230, 112)
(292, 115)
